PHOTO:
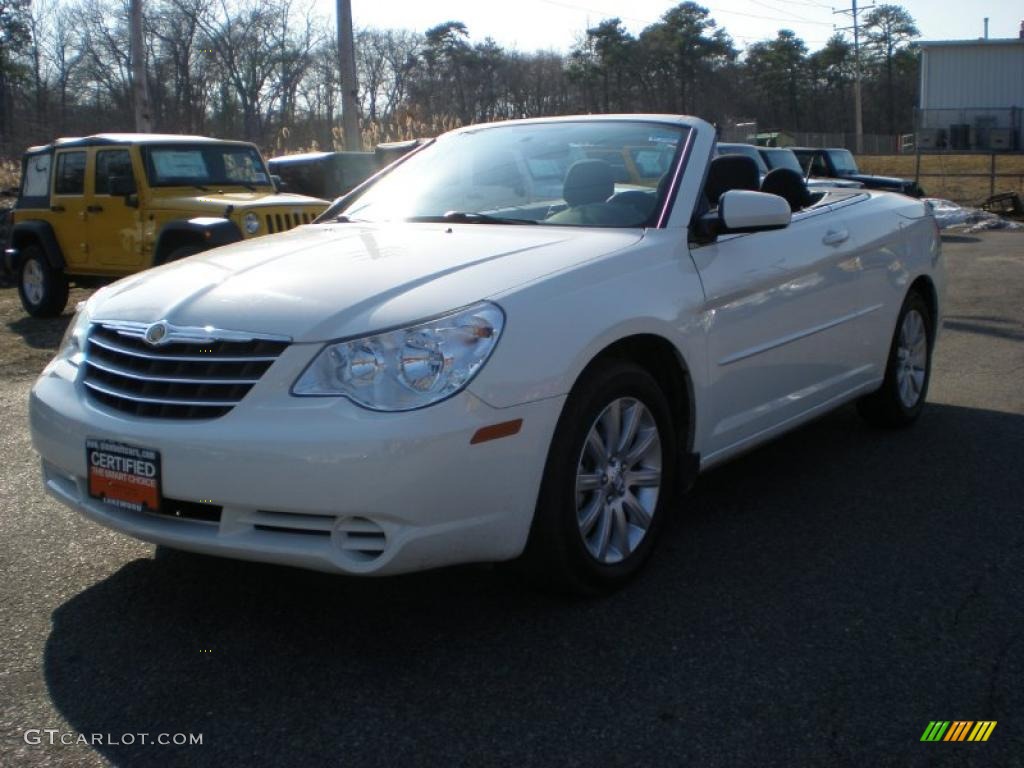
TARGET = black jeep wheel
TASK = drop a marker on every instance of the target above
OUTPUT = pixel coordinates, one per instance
(43, 288)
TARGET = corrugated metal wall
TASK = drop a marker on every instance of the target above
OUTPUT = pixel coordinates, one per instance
(966, 76)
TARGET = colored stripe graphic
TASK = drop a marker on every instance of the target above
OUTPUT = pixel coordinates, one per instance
(935, 730)
(959, 730)
(982, 730)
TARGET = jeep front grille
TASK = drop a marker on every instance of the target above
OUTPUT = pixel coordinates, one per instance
(193, 373)
(280, 222)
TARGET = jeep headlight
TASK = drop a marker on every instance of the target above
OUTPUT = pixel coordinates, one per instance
(252, 223)
(407, 368)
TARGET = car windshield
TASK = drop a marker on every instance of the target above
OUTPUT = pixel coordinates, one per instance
(594, 173)
(782, 158)
(202, 165)
(842, 161)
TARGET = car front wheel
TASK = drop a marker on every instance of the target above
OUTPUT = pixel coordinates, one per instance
(607, 482)
(43, 289)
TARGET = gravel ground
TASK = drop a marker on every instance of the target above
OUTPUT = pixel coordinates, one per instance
(816, 603)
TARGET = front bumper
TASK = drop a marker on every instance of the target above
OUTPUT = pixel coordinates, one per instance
(314, 482)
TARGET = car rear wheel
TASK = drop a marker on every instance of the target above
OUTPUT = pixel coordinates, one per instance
(900, 399)
(608, 480)
(43, 289)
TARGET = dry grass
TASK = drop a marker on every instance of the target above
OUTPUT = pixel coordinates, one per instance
(949, 185)
(402, 127)
(10, 174)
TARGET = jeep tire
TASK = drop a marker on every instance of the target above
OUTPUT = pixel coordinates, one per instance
(42, 287)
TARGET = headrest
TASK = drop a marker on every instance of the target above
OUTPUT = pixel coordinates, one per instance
(588, 181)
(787, 183)
(731, 172)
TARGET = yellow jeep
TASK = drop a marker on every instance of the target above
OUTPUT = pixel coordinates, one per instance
(101, 207)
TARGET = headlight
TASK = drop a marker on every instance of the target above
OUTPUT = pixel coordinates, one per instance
(73, 343)
(407, 368)
(252, 223)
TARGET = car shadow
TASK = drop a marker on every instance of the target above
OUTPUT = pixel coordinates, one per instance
(41, 332)
(959, 238)
(986, 327)
(829, 579)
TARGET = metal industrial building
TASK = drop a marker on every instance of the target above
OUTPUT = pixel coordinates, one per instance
(972, 95)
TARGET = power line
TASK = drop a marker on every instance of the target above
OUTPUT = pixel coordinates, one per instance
(604, 14)
(765, 18)
(790, 13)
(722, 11)
(810, 4)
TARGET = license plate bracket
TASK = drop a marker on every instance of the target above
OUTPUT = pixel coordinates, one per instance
(122, 475)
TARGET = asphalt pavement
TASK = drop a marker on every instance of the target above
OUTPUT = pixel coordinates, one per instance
(815, 603)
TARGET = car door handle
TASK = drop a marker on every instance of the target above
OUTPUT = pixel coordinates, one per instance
(94, 208)
(836, 236)
(57, 208)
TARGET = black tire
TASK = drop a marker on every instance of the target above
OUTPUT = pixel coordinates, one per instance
(887, 407)
(43, 289)
(557, 553)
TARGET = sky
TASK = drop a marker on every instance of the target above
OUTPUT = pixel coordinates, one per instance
(529, 25)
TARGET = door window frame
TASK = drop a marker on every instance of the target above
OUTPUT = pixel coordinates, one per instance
(58, 158)
(96, 168)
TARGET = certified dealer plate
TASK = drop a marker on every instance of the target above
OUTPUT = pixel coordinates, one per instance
(125, 476)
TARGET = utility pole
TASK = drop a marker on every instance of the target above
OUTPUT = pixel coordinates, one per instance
(858, 109)
(140, 88)
(349, 84)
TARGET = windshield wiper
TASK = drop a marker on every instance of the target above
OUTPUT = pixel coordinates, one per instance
(469, 217)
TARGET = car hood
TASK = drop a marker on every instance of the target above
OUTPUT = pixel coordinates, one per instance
(219, 201)
(325, 281)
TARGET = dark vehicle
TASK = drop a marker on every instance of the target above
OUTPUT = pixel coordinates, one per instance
(783, 157)
(332, 174)
(323, 174)
(747, 150)
(840, 164)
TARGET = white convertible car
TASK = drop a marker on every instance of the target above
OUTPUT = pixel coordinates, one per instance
(523, 339)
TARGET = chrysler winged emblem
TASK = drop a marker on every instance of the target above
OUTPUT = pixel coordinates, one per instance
(156, 333)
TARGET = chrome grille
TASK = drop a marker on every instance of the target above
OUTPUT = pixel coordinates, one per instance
(193, 373)
(281, 222)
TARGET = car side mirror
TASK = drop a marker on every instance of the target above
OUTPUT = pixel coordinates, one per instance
(740, 211)
(278, 182)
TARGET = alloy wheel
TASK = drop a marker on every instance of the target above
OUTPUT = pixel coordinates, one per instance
(32, 281)
(618, 479)
(911, 358)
